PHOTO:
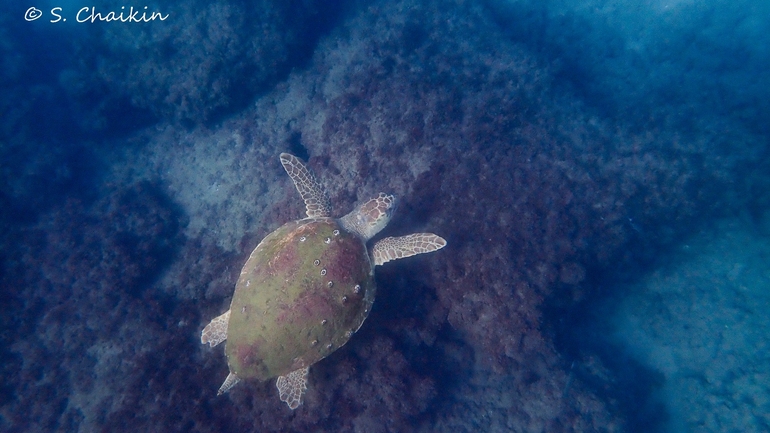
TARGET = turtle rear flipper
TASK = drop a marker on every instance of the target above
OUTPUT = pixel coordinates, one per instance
(216, 331)
(292, 387)
(394, 248)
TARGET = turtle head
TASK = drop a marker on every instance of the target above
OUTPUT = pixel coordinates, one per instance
(370, 217)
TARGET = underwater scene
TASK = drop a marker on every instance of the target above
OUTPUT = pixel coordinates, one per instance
(385, 216)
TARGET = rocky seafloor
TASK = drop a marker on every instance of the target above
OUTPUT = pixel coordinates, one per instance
(120, 247)
(700, 321)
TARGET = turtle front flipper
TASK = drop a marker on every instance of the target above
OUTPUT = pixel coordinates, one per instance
(388, 249)
(317, 203)
(292, 387)
(216, 331)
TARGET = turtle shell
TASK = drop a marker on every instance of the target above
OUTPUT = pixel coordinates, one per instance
(305, 289)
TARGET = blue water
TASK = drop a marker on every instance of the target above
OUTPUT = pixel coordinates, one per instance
(599, 170)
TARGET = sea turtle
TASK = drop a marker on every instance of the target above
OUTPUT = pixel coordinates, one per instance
(306, 288)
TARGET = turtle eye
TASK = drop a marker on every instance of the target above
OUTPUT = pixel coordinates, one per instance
(323, 271)
(336, 233)
(316, 262)
(327, 241)
(330, 284)
(302, 239)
